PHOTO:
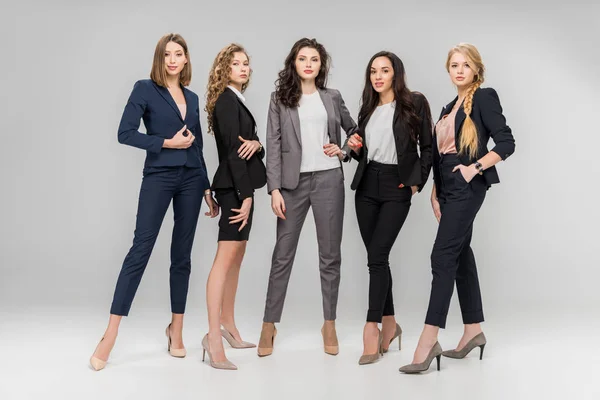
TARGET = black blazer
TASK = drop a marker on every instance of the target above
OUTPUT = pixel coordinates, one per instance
(231, 119)
(155, 106)
(413, 168)
(489, 121)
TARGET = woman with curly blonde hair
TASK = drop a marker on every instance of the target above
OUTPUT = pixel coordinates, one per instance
(240, 172)
(463, 170)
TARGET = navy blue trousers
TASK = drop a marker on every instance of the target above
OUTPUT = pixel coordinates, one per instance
(452, 258)
(160, 185)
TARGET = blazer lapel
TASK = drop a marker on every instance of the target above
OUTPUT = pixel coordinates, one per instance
(330, 108)
(164, 92)
(190, 105)
(295, 122)
(247, 110)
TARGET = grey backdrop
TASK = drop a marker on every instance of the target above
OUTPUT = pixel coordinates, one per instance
(69, 190)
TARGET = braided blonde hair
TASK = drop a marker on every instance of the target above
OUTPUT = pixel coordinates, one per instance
(468, 138)
(218, 78)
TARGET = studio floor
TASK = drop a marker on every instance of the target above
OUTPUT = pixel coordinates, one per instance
(45, 355)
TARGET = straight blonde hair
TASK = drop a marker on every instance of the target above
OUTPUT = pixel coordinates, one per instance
(159, 73)
(468, 135)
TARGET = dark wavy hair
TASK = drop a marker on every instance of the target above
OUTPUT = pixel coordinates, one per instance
(288, 88)
(402, 95)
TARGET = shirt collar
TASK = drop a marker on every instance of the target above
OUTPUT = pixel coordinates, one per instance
(237, 93)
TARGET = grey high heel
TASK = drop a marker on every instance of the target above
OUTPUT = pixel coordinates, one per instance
(233, 341)
(477, 341)
(435, 352)
(398, 335)
(371, 358)
(218, 365)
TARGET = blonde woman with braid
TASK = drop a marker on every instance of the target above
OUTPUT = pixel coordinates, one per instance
(463, 170)
(240, 172)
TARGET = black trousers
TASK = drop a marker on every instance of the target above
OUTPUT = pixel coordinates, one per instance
(452, 258)
(381, 209)
(160, 185)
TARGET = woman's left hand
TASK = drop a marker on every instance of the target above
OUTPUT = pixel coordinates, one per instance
(248, 148)
(332, 149)
(468, 172)
(213, 206)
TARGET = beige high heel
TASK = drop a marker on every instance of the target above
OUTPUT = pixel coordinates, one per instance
(233, 342)
(267, 335)
(96, 363)
(179, 353)
(371, 358)
(218, 365)
(398, 335)
(477, 341)
(332, 348)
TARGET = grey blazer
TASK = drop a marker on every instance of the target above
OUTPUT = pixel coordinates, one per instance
(284, 143)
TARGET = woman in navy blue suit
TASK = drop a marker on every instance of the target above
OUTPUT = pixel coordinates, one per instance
(174, 170)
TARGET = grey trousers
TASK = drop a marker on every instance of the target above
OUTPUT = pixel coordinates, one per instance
(324, 192)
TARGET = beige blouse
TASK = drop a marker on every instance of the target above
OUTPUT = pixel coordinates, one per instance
(444, 131)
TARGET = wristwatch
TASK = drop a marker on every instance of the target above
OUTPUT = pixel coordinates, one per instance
(479, 167)
(344, 153)
(208, 192)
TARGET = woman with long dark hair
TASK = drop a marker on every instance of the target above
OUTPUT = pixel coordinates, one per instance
(393, 148)
(463, 170)
(240, 172)
(174, 171)
(304, 154)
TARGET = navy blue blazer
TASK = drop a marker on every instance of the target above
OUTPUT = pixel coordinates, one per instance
(162, 119)
(490, 123)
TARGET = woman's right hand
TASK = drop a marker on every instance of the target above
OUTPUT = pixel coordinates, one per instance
(278, 204)
(243, 213)
(355, 143)
(179, 141)
(435, 204)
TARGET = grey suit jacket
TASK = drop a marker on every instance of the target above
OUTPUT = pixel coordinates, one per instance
(284, 141)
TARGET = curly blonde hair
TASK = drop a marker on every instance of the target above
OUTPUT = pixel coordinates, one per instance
(468, 138)
(218, 78)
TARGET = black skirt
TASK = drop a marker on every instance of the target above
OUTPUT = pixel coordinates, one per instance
(227, 199)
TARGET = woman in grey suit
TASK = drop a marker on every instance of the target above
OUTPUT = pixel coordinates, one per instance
(304, 153)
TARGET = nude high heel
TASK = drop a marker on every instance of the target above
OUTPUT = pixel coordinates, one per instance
(96, 363)
(179, 353)
(218, 365)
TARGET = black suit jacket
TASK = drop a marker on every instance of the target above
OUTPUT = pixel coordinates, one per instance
(231, 119)
(413, 168)
(489, 121)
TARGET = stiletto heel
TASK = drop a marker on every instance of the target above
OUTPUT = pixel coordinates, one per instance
(400, 341)
(215, 364)
(178, 353)
(435, 352)
(478, 341)
(203, 354)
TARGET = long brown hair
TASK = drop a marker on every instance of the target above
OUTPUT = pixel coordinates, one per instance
(468, 134)
(158, 73)
(288, 86)
(218, 78)
(402, 95)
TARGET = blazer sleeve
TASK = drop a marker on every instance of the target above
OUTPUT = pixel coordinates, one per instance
(495, 123)
(200, 143)
(273, 146)
(425, 138)
(228, 122)
(348, 124)
(261, 153)
(129, 133)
